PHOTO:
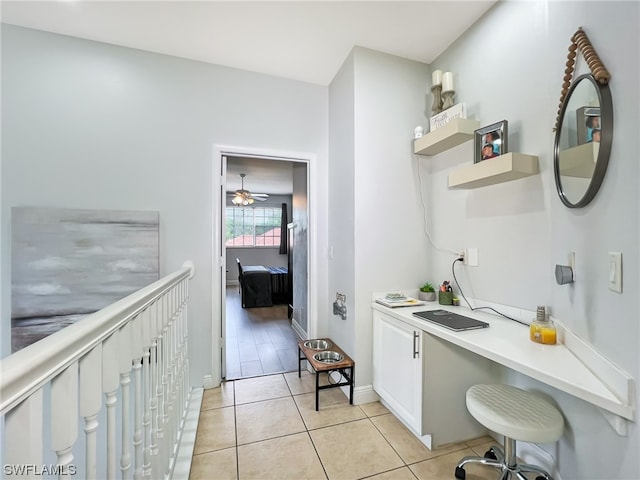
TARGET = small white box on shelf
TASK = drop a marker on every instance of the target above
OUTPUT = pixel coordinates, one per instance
(457, 111)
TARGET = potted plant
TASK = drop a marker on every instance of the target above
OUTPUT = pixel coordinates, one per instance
(427, 292)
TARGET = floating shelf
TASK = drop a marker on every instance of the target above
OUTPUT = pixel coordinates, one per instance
(451, 135)
(504, 168)
(579, 161)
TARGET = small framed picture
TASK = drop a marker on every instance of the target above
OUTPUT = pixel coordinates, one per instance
(490, 141)
(588, 124)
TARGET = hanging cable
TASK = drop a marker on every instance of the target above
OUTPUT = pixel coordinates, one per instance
(426, 216)
(453, 271)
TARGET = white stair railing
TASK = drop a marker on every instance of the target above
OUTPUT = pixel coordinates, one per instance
(125, 366)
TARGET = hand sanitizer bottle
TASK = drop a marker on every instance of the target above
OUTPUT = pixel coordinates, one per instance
(542, 330)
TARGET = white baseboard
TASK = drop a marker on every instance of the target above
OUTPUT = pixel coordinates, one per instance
(208, 382)
(361, 395)
(535, 455)
(184, 455)
(298, 329)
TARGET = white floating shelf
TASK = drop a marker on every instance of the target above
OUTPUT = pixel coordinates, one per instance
(579, 161)
(504, 168)
(451, 135)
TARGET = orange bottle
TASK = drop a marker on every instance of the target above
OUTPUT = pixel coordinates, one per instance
(542, 330)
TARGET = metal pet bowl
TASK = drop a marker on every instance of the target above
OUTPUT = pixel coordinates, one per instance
(318, 344)
(328, 357)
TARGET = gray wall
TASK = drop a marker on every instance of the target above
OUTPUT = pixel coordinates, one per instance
(522, 229)
(90, 125)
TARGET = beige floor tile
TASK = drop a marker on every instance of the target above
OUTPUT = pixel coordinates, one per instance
(305, 384)
(334, 409)
(221, 465)
(403, 473)
(291, 457)
(481, 448)
(267, 419)
(221, 396)
(373, 409)
(445, 466)
(354, 450)
(480, 440)
(260, 388)
(216, 430)
(402, 440)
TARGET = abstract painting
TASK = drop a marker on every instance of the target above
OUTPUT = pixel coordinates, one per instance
(66, 264)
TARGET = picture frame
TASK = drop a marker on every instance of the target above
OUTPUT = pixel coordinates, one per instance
(587, 120)
(494, 135)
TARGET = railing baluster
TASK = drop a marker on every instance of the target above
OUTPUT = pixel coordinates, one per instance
(162, 456)
(136, 332)
(64, 419)
(153, 377)
(165, 380)
(90, 403)
(110, 388)
(125, 382)
(146, 385)
(23, 431)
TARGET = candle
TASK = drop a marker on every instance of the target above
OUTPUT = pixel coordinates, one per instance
(436, 78)
(447, 82)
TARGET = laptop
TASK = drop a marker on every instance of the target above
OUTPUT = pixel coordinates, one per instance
(452, 321)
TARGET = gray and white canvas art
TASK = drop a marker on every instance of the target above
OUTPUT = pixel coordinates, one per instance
(66, 264)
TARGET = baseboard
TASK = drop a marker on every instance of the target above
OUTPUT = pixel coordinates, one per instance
(298, 329)
(208, 382)
(535, 455)
(361, 395)
(184, 455)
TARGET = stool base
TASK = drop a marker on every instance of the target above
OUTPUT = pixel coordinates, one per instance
(507, 464)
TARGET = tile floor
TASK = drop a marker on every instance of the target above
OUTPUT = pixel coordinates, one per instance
(260, 340)
(267, 428)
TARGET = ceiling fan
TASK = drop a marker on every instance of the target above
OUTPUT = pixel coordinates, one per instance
(245, 197)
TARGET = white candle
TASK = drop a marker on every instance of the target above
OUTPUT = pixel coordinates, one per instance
(447, 82)
(436, 78)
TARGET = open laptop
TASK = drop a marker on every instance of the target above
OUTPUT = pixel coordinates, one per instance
(452, 321)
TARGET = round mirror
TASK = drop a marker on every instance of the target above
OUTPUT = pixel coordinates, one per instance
(583, 141)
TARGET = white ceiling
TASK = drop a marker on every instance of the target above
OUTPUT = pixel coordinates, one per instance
(263, 176)
(306, 41)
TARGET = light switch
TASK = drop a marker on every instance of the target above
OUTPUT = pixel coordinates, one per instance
(615, 271)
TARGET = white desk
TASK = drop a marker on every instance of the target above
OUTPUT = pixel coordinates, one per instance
(507, 343)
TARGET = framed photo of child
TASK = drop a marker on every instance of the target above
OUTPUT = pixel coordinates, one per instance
(588, 124)
(490, 141)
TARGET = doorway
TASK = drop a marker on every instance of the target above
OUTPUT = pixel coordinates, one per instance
(257, 339)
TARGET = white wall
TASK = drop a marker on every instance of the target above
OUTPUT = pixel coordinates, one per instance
(90, 125)
(375, 222)
(341, 277)
(509, 65)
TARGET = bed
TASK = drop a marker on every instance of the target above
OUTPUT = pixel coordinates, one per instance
(262, 286)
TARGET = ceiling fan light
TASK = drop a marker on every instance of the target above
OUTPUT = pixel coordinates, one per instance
(237, 200)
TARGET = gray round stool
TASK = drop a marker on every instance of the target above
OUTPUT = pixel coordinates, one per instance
(517, 415)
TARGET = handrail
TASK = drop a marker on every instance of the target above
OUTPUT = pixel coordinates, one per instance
(25, 371)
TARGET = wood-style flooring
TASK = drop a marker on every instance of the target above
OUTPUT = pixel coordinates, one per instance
(259, 341)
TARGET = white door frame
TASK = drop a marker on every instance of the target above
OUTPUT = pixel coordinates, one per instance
(218, 257)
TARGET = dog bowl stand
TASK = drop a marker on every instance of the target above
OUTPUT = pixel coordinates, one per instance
(346, 367)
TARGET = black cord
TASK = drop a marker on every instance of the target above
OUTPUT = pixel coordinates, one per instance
(453, 270)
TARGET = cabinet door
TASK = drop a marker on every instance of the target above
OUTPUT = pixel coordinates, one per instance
(397, 368)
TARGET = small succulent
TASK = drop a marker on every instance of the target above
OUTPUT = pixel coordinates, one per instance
(427, 287)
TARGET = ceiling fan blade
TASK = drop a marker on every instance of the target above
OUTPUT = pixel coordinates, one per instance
(266, 195)
(260, 199)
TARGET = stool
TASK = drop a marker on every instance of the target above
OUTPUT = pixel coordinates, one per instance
(517, 415)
